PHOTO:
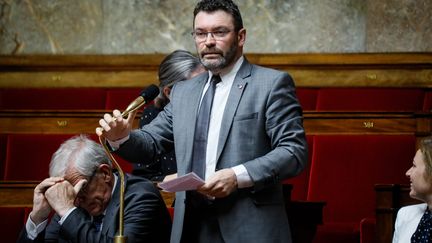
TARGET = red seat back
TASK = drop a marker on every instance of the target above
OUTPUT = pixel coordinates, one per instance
(300, 182)
(427, 105)
(346, 167)
(12, 223)
(53, 98)
(307, 98)
(120, 98)
(28, 155)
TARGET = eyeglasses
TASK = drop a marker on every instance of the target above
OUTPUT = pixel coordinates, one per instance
(217, 35)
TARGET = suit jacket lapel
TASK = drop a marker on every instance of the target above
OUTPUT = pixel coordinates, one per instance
(239, 85)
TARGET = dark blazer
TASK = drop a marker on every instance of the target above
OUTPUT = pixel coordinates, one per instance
(146, 218)
(262, 128)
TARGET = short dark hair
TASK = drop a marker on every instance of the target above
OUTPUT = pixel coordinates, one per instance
(224, 5)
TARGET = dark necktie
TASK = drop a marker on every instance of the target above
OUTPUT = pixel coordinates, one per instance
(201, 129)
(424, 229)
(97, 221)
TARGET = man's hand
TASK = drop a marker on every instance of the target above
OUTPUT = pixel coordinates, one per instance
(115, 127)
(61, 196)
(41, 207)
(221, 184)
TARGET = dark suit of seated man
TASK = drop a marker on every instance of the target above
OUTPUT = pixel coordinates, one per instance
(82, 187)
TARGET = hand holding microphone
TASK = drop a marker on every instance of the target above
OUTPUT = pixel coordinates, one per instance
(114, 127)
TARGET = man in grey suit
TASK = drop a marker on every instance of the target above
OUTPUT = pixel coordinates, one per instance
(255, 138)
(82, 188)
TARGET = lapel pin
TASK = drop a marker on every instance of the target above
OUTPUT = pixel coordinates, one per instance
(240, 86)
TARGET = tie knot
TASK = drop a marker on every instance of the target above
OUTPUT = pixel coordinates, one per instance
(97, 221)
(98, 218)
(215, 79)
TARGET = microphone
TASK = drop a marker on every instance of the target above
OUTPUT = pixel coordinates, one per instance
(146, 96)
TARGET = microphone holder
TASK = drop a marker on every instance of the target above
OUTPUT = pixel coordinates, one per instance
(120, 238)
(137, 103)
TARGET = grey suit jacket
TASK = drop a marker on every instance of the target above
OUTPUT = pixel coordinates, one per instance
(146, 218)
(262, 129)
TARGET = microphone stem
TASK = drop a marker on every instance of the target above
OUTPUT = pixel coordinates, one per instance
(120, 238)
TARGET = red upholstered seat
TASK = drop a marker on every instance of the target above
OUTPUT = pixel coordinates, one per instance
(120, 98)
(300, 183)
(53, 98)
(28, 155)
(344, 171)
(11, 224)
(427, 105)
(3, 145)
(370, 99)
(368, 230)
(124, 164)
(307, 98)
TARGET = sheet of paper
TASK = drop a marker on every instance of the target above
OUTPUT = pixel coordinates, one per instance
(187, 182)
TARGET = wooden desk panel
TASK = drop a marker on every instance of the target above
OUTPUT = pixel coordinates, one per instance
(315, 123)
(51, 122)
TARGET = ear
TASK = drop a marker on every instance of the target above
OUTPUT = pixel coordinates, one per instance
(106, 171)
(241, 37)
(166, 91)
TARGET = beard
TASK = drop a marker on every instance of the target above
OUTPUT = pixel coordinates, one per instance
(223, 61)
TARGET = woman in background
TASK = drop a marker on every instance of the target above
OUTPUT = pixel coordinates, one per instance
(178, 66)
(414, 222)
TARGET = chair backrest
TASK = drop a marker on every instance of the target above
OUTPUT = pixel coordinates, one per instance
(120, 98)
(12, 223)
(28, 155)
(300, 183)
(307, 98)
(346, 167)
(3, 146)
(52, 98)
(427, 105)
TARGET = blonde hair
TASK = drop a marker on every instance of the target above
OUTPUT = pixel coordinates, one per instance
(426, 150)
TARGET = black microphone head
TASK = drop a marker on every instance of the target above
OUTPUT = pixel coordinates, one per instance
(150, 93)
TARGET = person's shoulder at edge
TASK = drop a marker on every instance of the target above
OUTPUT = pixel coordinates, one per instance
(411, 209)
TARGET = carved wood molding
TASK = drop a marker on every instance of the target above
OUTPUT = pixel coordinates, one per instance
(308, 70)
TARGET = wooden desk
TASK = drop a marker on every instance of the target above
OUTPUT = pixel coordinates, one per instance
(316, 123)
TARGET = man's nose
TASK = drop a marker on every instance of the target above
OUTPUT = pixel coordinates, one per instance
(210, 40)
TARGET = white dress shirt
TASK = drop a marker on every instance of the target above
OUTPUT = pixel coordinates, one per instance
(407, 221)
(220, 99)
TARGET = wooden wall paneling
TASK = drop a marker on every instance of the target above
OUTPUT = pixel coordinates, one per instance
(51, 122)
(308, 70)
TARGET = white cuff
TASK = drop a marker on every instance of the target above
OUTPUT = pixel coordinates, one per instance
(243, 178)
(66, 215)
(32, 229)
(116, 144)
